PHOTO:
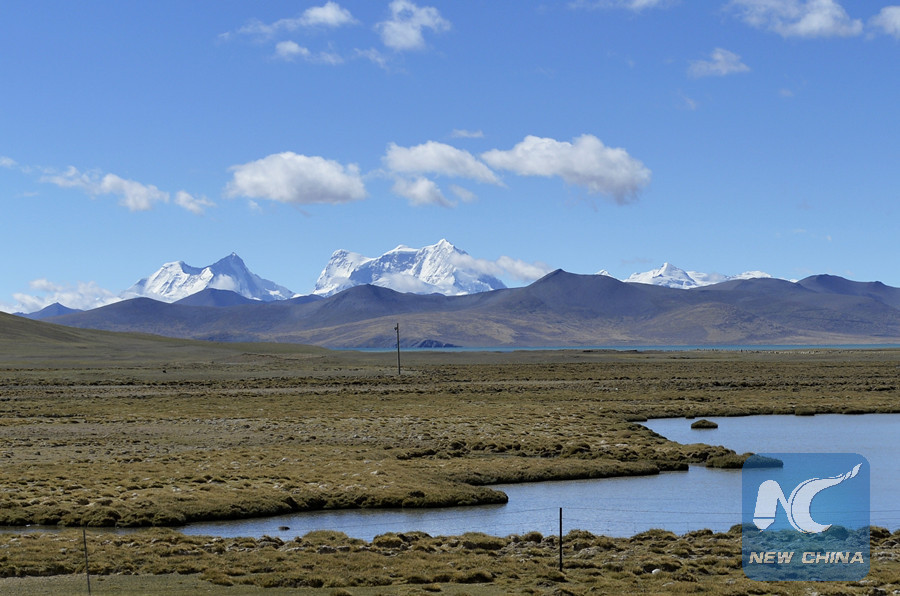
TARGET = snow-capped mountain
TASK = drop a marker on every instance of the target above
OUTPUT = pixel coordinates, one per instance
(440, 268)
(668, 275)
(672, 277)
(177, 280)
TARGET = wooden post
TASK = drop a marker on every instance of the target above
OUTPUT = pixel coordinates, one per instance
(397, 329)
(560, 539)
(87, 572)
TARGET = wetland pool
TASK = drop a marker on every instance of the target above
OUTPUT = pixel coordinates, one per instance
(676, 501)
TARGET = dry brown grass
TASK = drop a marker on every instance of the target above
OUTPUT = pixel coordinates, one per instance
(240, 431)
(653, 562)
(265, 434)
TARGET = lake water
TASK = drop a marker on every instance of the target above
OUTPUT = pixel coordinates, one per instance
(676, 501)
(638, 348)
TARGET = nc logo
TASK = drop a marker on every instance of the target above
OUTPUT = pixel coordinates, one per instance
(797, 505)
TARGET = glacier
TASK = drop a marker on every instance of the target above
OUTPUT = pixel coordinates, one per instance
(437, 268)
(177, 280)
(671, 276)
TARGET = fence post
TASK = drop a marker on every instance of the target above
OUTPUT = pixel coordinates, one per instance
(560, 539)
(87, 572)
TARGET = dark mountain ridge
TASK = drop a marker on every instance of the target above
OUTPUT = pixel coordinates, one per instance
(53, 310)
(559, 309)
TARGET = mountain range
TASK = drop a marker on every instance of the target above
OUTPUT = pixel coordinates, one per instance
(442, 297)
(440, 268)
(560, 309)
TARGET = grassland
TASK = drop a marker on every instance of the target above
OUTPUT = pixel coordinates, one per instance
(144, 432)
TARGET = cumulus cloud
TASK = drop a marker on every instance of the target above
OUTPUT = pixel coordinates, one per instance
(299, 179)
(404, 30)
(289, 50)
(7, 162)
(329, 15)
(133, 195)
(888, 21)
(798, 18)
(503, 267)
(438, 158)
(586, 162)
(721, 63)
(420, 191)
(81, 295)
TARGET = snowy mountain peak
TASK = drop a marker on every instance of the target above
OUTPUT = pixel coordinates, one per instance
(176, 280)
(440, 268)
(671, 276)
(668, 275)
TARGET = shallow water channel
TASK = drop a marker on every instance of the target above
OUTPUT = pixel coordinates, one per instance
(676, 501)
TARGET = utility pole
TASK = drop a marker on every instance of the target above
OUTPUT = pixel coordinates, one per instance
(397, 329)
(560, 540)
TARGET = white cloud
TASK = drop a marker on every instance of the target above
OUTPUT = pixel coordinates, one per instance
(586, 162)
(193, 204)
(438, 158)
(420, 191)
(888, 20)
(257, 27)
(6, 162)
(373, 56)
(289, 50)
(299, 179)
(635, 5)
(799, 18)
(721, 63)
(467, 134)
(329, 15)
(464, 194)
(404, 29)
(82, 295)
(502, 267)
(327, 58)
(404, 282)
(133, 195)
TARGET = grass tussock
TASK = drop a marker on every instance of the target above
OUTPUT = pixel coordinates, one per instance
(655, 561)
(254, 436)
(224, 434)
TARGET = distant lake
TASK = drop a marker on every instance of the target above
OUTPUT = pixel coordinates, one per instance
(676, 501)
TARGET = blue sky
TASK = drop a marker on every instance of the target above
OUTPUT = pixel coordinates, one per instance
(721, 136)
